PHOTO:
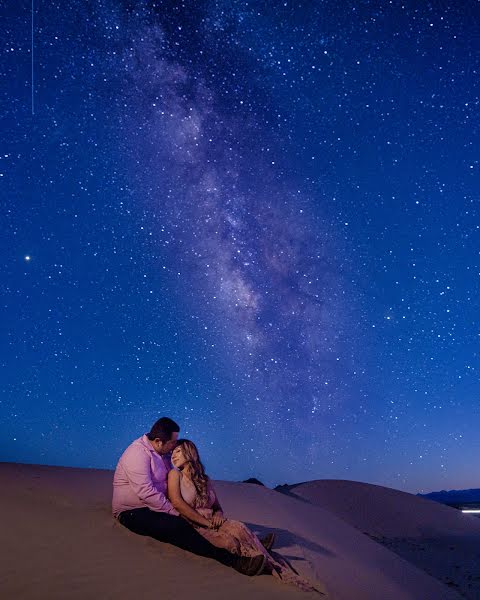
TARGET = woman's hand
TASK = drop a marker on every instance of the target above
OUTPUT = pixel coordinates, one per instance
(218, 519)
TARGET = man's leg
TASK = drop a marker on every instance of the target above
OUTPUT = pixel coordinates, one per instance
(173, 530)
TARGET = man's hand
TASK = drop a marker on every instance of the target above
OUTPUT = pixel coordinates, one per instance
(218, 519)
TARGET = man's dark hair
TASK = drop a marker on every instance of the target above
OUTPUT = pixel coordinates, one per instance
(163, 429)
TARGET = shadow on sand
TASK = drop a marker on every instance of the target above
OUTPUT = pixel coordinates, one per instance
(285, 538)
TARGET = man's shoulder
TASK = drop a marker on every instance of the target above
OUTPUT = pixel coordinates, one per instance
(141, 441)
(138, 446)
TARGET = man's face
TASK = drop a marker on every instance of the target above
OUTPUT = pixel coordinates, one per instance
(166, 447)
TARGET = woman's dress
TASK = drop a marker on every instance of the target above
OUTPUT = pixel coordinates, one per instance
(237, 538)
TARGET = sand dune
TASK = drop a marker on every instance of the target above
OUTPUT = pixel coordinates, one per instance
(439, 539)
(59, 541)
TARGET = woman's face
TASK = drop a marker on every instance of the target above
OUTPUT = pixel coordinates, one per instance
(178, 458)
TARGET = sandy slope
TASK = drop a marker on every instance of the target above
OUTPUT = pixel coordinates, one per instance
(59, 541)
(439, 539)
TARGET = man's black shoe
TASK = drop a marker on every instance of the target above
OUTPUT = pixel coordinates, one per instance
(249, 565)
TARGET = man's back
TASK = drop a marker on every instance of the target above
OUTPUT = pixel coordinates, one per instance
(140, 480)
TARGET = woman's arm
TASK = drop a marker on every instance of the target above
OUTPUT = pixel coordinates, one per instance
(216, 506)
(175, 497)
(217, 519)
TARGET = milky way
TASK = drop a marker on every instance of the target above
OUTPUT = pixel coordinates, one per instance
(260, 264)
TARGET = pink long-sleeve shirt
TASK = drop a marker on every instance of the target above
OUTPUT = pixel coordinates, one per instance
(140, 480)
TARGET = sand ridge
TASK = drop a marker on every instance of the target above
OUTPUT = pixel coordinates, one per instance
(439, 539)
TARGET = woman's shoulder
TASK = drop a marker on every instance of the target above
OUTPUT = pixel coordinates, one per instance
(174, 475)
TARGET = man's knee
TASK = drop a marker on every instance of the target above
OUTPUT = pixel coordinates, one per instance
(180, 530)
(167, 528)
(182, 525)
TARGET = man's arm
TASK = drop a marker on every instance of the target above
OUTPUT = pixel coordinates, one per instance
(136, 464)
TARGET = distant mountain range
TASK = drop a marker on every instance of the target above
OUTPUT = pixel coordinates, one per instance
(454, 496)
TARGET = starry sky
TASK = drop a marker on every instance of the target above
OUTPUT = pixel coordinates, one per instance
(258, 218)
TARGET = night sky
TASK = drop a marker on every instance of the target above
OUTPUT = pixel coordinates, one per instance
(258, 218)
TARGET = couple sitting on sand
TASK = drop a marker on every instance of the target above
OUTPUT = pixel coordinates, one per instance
(179, 505)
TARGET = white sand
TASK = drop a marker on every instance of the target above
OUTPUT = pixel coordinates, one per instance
(59, 541)
(439, 539)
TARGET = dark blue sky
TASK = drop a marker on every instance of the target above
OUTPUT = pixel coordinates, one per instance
(258, 218)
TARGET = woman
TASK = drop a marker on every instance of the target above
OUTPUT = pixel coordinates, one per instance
(192, 494)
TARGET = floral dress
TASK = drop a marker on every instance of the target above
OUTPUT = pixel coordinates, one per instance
(237, 538)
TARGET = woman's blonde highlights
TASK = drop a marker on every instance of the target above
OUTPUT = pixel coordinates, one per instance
(196, 470)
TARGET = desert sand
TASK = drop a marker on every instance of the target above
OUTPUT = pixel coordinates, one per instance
(437, 538)
(59, 541)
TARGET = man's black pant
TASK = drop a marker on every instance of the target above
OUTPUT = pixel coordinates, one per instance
(172, 530)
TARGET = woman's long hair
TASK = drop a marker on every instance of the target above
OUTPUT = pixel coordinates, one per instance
(195, 468)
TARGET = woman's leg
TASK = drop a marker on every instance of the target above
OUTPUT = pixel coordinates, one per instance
(248, 542)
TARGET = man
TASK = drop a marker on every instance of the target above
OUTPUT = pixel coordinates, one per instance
(140, 503)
